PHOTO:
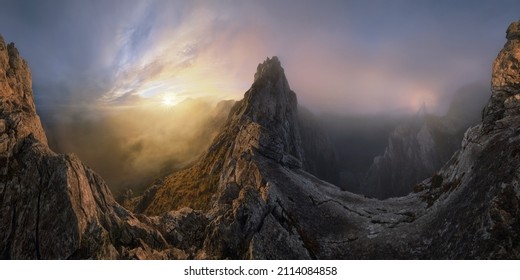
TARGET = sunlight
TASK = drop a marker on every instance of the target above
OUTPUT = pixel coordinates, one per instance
(167, 101)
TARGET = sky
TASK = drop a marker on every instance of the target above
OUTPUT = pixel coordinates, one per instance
(350, 57)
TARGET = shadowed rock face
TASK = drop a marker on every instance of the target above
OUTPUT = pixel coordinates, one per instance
(257, 202)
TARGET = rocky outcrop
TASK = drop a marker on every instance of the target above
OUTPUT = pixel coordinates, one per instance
(505, 81)
(254, 200)
(53, 206)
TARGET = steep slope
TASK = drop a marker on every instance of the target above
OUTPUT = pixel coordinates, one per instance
(52, 206)
(264, 122)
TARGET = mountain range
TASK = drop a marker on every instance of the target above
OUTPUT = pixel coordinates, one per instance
(256, 193)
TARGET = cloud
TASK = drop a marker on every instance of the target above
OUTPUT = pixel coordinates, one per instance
(342, 55)
(132, 146)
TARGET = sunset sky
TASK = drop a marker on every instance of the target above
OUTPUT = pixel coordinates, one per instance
(341, 56)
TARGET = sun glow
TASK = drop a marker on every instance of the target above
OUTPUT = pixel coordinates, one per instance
(167, 101)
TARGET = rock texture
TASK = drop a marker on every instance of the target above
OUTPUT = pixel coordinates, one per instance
(255, 201)
(52, 206)
(505, 81)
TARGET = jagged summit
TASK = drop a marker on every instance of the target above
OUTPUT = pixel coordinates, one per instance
(271, 103)
(264, 123)
(271, 68)
(270, 99)
(17, 109)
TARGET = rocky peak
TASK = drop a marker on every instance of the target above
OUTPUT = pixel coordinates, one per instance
(270, 99)
(505, 81)
(18, 116)
(513, 32)
(272, 104)
(271, 68)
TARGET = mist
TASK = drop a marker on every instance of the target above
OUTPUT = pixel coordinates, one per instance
(133, 146)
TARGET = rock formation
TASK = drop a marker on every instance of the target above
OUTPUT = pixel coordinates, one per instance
(253, 198)
(52, 206)
(505, 82)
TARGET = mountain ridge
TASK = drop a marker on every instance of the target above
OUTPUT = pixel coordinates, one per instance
(258, 203)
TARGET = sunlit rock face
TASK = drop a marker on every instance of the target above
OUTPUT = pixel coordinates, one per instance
(505, 82)
(254, 200)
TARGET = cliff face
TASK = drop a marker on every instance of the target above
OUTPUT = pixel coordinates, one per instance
(52, 206)
(505, 82)
(257, 202)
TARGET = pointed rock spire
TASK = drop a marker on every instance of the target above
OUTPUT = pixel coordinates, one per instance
(271, 68)
(271, 103)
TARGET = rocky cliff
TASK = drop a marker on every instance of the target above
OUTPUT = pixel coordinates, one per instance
(255, 200)
(52, 206)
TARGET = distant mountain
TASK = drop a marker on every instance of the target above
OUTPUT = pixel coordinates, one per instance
(419, 147)
(356, 140)
(248, 197)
